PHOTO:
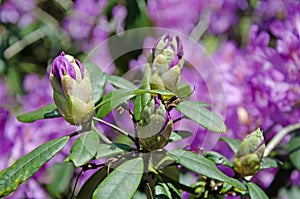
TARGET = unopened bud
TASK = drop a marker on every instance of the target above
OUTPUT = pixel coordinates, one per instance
(167, 55)
(72, 90)
(250, 153)
(155, 126)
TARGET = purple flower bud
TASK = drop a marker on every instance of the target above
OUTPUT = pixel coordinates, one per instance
(66, 65)
(72, 89)
(169, 43)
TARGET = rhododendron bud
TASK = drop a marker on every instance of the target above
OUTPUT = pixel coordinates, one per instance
(167, 63)
(72, 89)
(250, 153)
(155, 126)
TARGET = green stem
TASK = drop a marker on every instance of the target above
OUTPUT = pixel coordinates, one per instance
(279, 136)
(115, 127)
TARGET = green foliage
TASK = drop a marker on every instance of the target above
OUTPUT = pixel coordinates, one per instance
(294, 150)
(179, 135)
(84, 148)
(60, 175)
(48, 111)
(128, 177)
(112, 100)
(111, 150)
(234, 144)
(255, 191)
(98, 80)
(197, 112)
(203, 166)
(120, 82)
(28, 165)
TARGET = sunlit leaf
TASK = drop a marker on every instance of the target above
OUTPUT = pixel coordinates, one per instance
(110, 150)
(84, 148)
(178, 135)
(267, 163)
(28, 165)
(122, 182)
(120, 82)
(141, 100)
(48, 111)
(234, 144)
(112, 100)
(255, 191)
(203, 166)
(98, 80)
(197, 112)
(217, 158)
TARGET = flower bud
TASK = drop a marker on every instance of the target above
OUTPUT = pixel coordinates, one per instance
(72, 89)
(155, 126)
(250, 153)
(167, 55)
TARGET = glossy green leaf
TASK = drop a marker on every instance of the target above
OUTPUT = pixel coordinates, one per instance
(120, 82)
(294, 150)
(110, 150)
(197, 112)
(84, 148)
(267, 163)
(203, 166)
(28, 165)
(91, 184)
(48, 111)
(178, 135)
(98, 80)
(60, 175)
(141, 100)
(166, 191)
(234, 144)
(255, 191)
(112, 100)
(122, 182)
(217, 158)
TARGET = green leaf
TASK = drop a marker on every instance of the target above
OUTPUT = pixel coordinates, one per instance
(255, 191)
(120, 82)
(197, 112)
(112, 100)
(122, 182)
(84, 148)
(234, 144)
(91, 184)
(48, 111)
(142, 100)
(203, 166)
(155, 92)
(28, 165)
(184, 90)
(98, 80)
(60, 175)
(267, 163)
(294, 150)
(166, 191)
(217, 158)
(178, 135)
(111, 150)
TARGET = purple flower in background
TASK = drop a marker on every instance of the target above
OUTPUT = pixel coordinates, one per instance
(220, 14)
(88, 25)
(18, 139)
(20, 12)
